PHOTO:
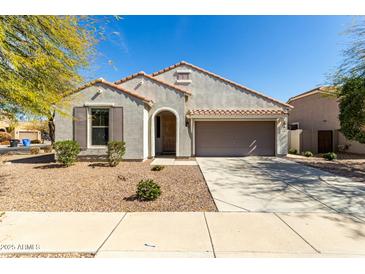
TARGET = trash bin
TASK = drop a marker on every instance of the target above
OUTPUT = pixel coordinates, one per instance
(14, 142)
(26, 142)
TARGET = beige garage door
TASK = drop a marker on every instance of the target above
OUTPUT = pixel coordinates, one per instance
(236, 138)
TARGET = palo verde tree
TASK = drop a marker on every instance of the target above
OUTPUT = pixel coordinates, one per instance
(350, 83)
(40, 61)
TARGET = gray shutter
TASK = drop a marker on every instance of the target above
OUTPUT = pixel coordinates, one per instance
(80, 126)
(116, 124)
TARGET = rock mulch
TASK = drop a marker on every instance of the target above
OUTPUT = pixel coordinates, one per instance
(347, 165)
(86, 186)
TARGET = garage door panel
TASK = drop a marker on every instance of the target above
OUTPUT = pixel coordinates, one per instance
(234, 138)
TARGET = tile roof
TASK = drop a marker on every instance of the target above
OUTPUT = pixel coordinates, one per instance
(322, 89)
(235, 112)
(222, 79)
(119, 88)
(142, 73)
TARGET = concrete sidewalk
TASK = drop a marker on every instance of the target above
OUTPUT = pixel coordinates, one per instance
(183, 234)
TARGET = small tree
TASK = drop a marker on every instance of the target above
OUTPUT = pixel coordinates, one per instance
(352, 109)
(116, 151)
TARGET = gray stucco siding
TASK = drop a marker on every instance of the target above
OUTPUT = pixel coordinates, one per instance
(209, 92)
(132, 117)
(163, 97)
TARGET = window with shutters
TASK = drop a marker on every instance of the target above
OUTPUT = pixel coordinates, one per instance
(99, 126)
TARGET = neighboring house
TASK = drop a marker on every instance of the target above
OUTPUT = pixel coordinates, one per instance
(315, 124)
(182, 110)
(21, 130)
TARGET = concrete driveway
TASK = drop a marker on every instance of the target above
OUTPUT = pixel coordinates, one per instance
(270, 184)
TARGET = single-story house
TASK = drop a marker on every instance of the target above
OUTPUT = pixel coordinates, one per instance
(182, 110)
(315, 125)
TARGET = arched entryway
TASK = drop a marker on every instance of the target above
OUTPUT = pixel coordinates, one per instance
(165, 132)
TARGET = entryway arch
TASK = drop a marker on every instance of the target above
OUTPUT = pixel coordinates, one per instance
(167, 134)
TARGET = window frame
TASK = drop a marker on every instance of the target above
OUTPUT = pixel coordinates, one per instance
(183, 72)
(90, 126)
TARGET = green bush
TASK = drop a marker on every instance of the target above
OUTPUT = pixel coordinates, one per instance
(157, 168)
(330, 156)
(308, 154)
(4, 136)
(116, 151)
(293, 151)
(148, 190)
(67, 151)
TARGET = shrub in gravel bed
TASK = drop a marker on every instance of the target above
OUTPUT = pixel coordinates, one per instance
(157, 168)
(330, 156)
(34, 150)
(67, 151)
(116, 151)
(308, 154)
(293, 151)
(148, 190)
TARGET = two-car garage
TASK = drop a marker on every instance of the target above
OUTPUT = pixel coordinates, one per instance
(234, 138)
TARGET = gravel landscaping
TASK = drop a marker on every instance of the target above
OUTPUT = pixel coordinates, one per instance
(34, 185)
(351, 166)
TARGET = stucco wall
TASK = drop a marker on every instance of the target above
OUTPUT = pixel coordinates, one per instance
(132, 118)
(163, 97)
(315, 112)
(353, 146)
(211, 93)
(319, 112)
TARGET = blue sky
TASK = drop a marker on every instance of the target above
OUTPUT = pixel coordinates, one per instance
(280, 56)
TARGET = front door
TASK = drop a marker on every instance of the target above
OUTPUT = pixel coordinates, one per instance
(168, 133)
(325, 141)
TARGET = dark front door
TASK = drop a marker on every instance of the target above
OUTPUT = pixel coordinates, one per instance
(325, 141)
(168, 133)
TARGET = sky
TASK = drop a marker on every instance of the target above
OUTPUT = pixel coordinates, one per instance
(280, 56)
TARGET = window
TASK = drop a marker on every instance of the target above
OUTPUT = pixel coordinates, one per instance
(99, 126)
(158, 126)
(183, 76)
(294, 126)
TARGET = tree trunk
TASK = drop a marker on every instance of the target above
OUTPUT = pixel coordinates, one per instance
(51, 127)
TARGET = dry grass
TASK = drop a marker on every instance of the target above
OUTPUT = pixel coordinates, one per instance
(348, 165)
(31, 186)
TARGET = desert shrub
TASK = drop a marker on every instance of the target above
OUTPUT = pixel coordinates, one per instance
(293, 151)
(5, 136)
(148, 190)
(308, 154)
(116, 150)
(157, 168)
(34, 150)
(47, 149)
(35, 142)
(330, 156)
(67, 151)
